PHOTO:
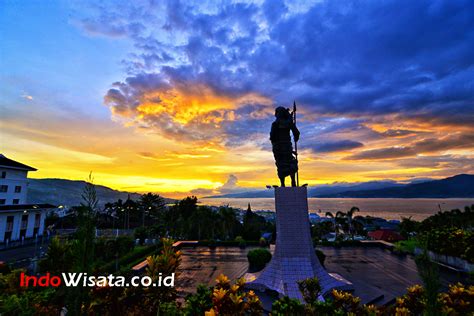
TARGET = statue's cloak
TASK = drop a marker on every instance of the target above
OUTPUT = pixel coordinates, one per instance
(282, 147)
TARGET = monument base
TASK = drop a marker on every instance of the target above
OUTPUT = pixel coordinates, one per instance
(294, 258)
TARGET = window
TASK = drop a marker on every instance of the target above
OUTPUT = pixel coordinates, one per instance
(4, 174)
(16, 201)
(24, 221)
(9, 223)
(37, 219)
(18, 189)
(2, 201)
(3, 188)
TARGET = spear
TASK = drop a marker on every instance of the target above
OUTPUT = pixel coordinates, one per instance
(296, 145)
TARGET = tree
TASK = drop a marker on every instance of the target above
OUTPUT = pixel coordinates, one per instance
(201, 224)
(152, 207)
(336, 220)
(83, 245)
(229, 223)
(177, 216)
(429, 274)
(349, 216)
(408, 227)
(131, 213)
(58, 257)
(253, 225)
(115, 211)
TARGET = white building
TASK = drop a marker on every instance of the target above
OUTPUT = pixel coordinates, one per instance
(18, 220)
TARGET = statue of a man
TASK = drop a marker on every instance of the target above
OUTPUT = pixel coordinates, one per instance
(280, 137)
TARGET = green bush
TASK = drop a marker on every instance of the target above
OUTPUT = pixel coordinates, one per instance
(199, 303)
(141, 233)
(241, 241)
(310, 289)
(212, 243)
(124, 245)
(108, 249)
(4, 268)
(287, 306)
(450, 241)
(406, 245)
(135, 256)
(258, 258)
(17, 305)
(168, 309)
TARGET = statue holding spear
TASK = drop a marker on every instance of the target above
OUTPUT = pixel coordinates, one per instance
(286, 159)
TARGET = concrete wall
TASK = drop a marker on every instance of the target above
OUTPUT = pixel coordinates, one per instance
(17, 224)
(455, 262)
(14, 178)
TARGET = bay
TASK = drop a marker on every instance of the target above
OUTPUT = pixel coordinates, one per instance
(391, 208)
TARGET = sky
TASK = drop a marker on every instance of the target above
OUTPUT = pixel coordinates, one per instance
(177, 97)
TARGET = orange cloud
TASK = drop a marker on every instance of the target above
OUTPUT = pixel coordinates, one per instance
(189, 112)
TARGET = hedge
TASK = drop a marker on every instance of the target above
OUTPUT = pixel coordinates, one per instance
(258, 258)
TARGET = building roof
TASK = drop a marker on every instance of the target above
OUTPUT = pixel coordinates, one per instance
(21, 207)
(385, 234)
(8, 163)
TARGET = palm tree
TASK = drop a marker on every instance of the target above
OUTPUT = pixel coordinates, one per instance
(227, 216)
(151, 206)
(336, 219)
(131, 208)
(349, 216)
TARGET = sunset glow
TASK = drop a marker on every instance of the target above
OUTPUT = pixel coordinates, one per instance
(151, 103)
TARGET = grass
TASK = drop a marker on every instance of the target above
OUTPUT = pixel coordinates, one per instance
(406, 245)
(138, 254)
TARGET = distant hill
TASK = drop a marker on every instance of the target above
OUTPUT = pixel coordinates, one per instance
(250, 194)
(335, 188)
(68, 192)
(459, 186)
(317, 191)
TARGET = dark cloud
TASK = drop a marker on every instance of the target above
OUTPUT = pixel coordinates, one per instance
(444, 161)
(383, 153)
(430, 145)
(409, 61)
(335, 146)
(459, 141)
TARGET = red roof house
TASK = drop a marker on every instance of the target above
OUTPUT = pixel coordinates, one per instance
(386, 235)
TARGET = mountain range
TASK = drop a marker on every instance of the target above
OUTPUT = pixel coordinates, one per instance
(68, 192)
(459, 186)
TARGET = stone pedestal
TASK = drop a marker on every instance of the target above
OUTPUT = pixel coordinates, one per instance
(294, 258)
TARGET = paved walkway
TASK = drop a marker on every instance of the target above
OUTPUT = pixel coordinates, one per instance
(372, 270)
(202, 265)
(20, 257)
(378, 268)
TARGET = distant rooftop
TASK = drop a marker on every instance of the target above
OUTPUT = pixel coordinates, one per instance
(8, 163)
